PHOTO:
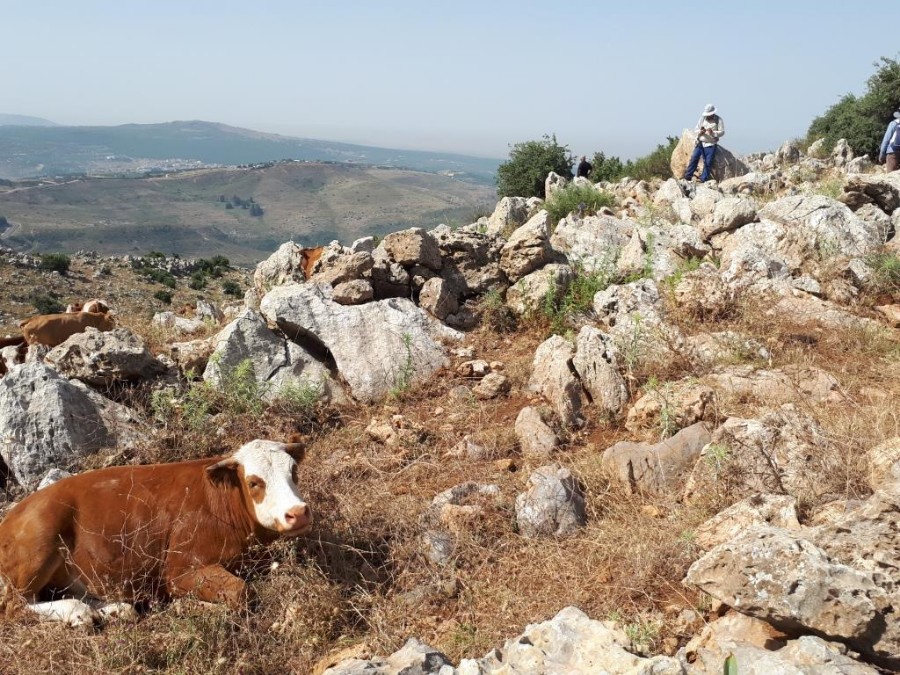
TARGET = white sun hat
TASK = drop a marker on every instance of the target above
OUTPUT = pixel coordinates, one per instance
(710, 109)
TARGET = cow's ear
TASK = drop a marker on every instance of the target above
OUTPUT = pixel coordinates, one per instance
(295, 450)
(223, 467)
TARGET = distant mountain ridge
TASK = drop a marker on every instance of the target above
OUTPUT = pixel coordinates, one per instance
(29, 150)
(25, 121)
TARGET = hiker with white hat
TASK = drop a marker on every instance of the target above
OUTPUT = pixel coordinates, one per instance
(890, 145)
(709, 130)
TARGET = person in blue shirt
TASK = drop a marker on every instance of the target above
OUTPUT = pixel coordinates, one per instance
(890, 145)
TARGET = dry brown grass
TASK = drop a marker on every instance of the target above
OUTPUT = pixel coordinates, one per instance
(363, 576)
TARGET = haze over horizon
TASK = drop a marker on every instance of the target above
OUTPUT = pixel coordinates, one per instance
(472, 78)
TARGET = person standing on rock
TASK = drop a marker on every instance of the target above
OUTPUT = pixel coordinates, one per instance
(890, 145)
(709, 130)
(584, 168)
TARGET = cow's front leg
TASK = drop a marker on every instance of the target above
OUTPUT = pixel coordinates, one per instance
(212, 583)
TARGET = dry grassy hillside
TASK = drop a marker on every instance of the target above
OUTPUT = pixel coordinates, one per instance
(181, 213)
(362, 582)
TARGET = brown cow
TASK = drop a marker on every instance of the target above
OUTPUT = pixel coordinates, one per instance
(309, 257)
(54, 329)
(153, 531)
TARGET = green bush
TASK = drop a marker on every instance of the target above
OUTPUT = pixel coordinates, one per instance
(198, 281)
(606, 168)
(528, 166)
(299, 400)
(57, 262)
(232, 288)
(654, 165)
(158, 275)
(46, 304)
(862, 120)
(587, 200)
(578, 298)
(163, 296)
(497, 314)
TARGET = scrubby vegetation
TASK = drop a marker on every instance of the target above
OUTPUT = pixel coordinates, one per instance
(528, 166)
(861, 120)
(584, 200)
(56, 262)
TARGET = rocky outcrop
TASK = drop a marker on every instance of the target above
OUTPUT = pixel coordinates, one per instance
(656, 468)
(273, 362)
(553, 504)
(377, 347)
(101, 358)
(553, 378)
(47, 421)
(528, 248)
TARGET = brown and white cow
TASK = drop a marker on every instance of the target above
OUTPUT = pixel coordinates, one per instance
(131, 533)
(54, 329)
(95, 306)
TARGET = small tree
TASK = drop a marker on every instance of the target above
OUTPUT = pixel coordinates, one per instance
(528, 166)
(862, 120)
(606, 168)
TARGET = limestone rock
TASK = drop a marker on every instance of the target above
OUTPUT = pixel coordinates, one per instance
(703, 293)
(414, 246)
(275, 363)
(101, 358)
(553, 183)
(439, 298)
(471, 261)
(530, 291)
(759, 509)
(777, 576)
(283, 266)
(553, 504)
(510, 213)
(491, 386)
(552, 378)
(781, 452)
(884, 463)
(729, 213)
(536, 439)
(377, 347)
(776, 386)
(656, 468)
(353, 292)
(596, 361)
(528, 248)
(671, 406)
(47, 421)
(592, 243)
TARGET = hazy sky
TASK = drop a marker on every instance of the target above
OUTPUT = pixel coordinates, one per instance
(463, 76)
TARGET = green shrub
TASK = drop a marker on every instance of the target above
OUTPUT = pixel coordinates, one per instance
(57, 262)
(496, 313)
(163, 296)
(606, 168)
(862, 120)
(198, 281)
(239, 390)
(159, 276)
(578, 298)
(299, 400)
(232, 288)
(528, 166)
(885, 272)
(586, 200)
(46, 304)
(654, 165)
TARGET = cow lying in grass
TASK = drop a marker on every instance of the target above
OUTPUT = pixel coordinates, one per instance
(95, 306)
(54, 329)
(133, 533)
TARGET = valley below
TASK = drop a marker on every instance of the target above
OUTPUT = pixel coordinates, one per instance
(205, 211)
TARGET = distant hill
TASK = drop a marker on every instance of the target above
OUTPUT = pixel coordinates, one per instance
(188, 212)
(32, 151)
(25, 121)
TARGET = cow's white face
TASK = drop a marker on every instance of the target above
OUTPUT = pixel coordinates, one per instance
(268, 473)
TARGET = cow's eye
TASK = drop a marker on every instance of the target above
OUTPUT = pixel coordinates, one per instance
(252, 484)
